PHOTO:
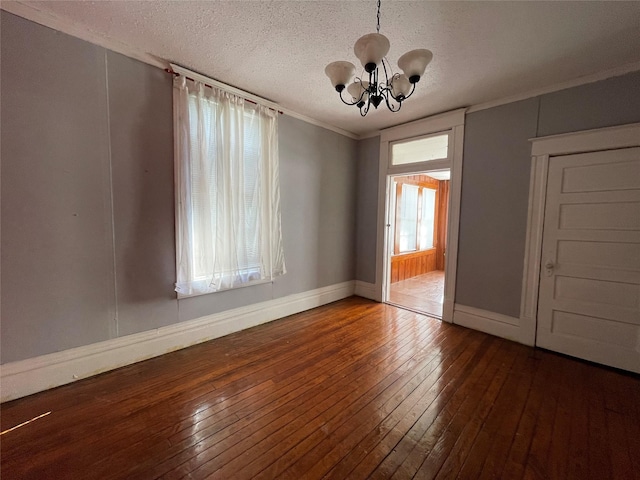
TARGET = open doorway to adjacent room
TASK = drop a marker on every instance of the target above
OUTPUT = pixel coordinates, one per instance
(423, 160)
(418, 208)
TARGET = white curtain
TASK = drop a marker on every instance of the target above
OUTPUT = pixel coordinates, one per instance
(228, 231)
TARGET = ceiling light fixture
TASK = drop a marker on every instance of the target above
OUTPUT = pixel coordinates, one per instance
(371, 50)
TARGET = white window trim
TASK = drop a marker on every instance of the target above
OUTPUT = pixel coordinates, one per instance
(248, 96)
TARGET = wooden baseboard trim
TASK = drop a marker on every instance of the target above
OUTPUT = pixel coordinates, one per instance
(366, 290)
(489, 322)
(33, 375)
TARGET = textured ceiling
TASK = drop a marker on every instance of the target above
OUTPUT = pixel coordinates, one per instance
(483, 51)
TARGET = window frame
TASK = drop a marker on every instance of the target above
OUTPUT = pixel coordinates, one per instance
(419, 218)
(258, 140)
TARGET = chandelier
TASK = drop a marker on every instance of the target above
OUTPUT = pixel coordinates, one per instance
(395, 88)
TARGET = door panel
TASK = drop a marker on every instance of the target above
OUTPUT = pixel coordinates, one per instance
(600, 216)
(589, 303)
(601, 177)
(597, 291)
(623, 256)
(595, 329)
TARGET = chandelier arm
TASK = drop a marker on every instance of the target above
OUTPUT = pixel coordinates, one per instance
(347, 103)
(413, 89)
(386, 99)
(364, 109)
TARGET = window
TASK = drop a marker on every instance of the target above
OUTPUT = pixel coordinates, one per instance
(408, 218)
(227, 195)
(424, 149)
(415, 218)
(428, 217)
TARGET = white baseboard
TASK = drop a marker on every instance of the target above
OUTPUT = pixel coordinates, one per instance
(489, 322)
(367, 290)
(32, 375)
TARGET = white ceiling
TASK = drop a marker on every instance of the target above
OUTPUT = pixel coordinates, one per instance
(483, 51)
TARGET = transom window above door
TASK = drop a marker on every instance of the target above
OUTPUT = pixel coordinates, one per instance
(432, 147)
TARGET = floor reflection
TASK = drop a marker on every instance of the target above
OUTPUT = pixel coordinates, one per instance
(424, 293)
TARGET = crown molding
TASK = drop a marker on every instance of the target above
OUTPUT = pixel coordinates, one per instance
(55, 22)
(47, 19)
(373, 133)
(586, 79)
(576, 82)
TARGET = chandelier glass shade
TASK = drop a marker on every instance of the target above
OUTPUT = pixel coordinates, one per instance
(392, 88)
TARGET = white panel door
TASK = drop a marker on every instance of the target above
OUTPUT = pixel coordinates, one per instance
(589, 298)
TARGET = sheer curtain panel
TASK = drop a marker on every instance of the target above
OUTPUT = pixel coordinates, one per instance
(228, 231)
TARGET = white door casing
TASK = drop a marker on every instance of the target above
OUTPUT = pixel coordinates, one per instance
(452, 122)
(581, 285)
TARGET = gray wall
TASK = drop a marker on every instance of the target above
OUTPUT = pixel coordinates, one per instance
(493, 216)
(87, 198)
(55, 214)
(495, 183)
(367, 211)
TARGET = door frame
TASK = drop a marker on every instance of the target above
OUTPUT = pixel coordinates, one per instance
(391, 230)
(542, 150)
(452, 123)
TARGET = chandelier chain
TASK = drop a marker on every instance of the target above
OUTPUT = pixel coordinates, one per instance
(378, 24)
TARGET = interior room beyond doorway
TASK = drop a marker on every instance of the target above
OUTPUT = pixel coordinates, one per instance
(420, 208)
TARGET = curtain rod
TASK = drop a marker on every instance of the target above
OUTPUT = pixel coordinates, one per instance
(177, 70)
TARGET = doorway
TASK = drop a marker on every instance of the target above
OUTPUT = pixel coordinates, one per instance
(581, 273)
(433, 144)
(418, 215)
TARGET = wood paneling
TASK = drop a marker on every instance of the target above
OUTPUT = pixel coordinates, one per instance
(409, 265)
(354, 389)
(419, 180)
(442, 221)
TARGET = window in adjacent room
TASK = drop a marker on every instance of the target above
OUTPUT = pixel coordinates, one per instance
(427, 218)
(408, 218)
(228, 231)
(415, 218)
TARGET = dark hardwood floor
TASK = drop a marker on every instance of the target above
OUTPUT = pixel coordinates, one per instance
(354, 389)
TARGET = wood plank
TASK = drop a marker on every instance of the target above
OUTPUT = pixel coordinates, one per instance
(353, 389)
(399, 417)
(577, 466)
(465, 429)
(409, 265)
(498, 417)
(308, 406)
(537, 466)
(517, 456)
(322, 441)
(431, 424)
(293, 388)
